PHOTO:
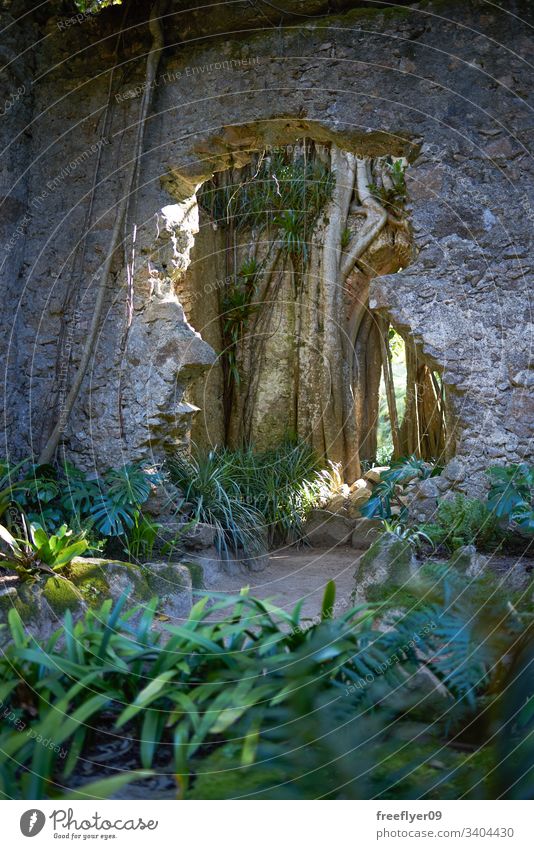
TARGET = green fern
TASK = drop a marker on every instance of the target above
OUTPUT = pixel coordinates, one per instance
(463, 521)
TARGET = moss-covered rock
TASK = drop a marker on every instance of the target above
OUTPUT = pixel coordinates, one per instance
(384, 569)
(62, 595)
(172, 583)
(42, 603)
(196, 572)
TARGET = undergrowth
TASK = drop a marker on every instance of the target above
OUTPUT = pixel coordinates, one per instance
(261, 704)
(254, 498)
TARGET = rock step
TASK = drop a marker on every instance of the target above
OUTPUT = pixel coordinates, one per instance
(327, 529)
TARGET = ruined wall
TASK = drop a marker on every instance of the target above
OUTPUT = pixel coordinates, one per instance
(446, 84)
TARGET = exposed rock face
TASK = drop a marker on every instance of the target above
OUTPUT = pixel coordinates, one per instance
(455, 105)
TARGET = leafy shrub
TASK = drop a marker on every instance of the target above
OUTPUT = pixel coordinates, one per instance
(37, 552)
(283, 705)
(386, 495)
(511, 496)
(463, 521)
(9, 483)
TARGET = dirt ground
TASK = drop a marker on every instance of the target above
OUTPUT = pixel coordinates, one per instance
(300, 573)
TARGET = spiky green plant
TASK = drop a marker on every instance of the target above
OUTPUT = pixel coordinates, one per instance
(282, 484)
(281, 192)
(207, 483)
(267, 492)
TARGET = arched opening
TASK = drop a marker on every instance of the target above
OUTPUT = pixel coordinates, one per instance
(278, 285)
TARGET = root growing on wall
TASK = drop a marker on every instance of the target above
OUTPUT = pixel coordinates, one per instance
(300, 351)
(87, 353)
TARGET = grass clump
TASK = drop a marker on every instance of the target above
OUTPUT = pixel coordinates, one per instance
(212, 495)
(254, 499)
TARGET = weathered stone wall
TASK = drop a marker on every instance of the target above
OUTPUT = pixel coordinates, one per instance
(446, 84)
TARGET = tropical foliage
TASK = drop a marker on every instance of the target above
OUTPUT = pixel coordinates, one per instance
(107, 504)
(207, 485)
(258, 703)
(252, 498)
(511, 496)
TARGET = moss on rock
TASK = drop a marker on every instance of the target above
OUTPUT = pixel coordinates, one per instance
(384, 569)
(62, 595)
(43, 602)
(197, 574)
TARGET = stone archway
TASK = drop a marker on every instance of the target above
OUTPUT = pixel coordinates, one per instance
(311, 354)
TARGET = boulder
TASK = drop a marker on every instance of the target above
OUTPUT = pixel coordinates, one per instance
(207, 567)
(469, 561)
(42, 603)
(173, 584)
(360, 484)
(373, 475)
(454, 471)
(365, 533)
(324, 528)
(176, 536)
(386, 567)
(427, 488)
(199, 536)
(356, 501)
(423, 500)
(336, 503)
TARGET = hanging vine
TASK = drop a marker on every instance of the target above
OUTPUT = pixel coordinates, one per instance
(277, 199)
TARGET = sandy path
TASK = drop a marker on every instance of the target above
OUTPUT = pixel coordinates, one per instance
(294, 574)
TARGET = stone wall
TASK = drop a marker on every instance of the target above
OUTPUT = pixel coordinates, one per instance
(446, 84)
